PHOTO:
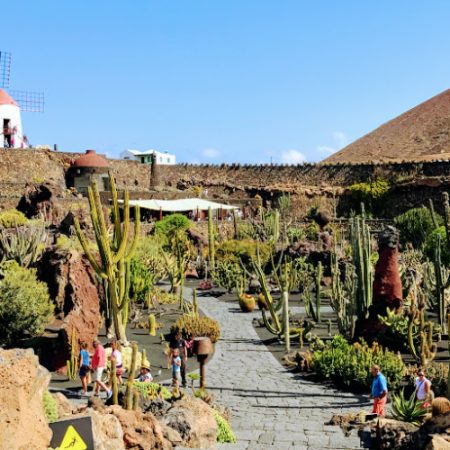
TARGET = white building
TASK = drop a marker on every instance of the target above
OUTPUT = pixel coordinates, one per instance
(11, 135)
(145, 157)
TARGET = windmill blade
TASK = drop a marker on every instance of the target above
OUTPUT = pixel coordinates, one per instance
(29, 101)
(5, 69)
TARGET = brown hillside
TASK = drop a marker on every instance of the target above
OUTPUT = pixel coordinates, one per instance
(420, 134)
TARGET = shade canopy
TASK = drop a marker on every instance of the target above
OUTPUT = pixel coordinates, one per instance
(185, 204)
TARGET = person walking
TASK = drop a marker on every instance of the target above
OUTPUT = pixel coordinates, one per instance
(179, 343)
(116, 355)
(379, 390)
(423, 388)
(83, 364)
(98, 365)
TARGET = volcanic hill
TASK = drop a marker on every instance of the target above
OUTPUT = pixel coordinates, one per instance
(420, 134)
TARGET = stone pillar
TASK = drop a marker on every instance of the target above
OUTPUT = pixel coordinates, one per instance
(154, 173)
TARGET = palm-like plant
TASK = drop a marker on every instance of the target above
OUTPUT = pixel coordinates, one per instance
(408, 410)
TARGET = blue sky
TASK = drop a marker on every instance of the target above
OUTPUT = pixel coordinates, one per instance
(224, 81)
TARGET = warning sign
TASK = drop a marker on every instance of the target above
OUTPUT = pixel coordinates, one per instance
(72, 440)
(74, 434)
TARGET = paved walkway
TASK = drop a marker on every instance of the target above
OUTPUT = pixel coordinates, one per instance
(271, 409)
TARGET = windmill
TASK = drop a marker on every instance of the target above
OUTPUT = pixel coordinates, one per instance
(12, 103)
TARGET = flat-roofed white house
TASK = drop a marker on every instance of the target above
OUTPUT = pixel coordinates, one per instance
(145, 156)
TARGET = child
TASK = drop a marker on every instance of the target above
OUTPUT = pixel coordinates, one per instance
(83, 364)
(117, 356)
(176, 367)
(144, 374)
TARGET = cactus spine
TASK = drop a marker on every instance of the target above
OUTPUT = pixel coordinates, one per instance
(211, 241)
(152, 325)
(361, 250)
(113, 250)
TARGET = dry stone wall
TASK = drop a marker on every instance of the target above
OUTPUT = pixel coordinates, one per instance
(323, 184)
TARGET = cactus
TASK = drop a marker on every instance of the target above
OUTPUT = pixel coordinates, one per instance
(114, 383)
(194, 303)
(361, 250)
(114, 251)
(72, 363)
(132, 375)
(312, 308)
(440, 406)
(428, 349)
(152, 325)
(24, 244)
(211, 241)
(342, 295)
(136, 398)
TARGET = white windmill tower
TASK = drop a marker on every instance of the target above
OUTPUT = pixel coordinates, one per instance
(12, 103)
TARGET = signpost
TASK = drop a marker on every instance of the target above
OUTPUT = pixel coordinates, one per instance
(73, 434)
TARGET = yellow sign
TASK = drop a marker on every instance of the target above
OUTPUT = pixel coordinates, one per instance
(72, 440)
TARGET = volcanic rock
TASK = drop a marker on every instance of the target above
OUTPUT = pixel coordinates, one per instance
(22, 385)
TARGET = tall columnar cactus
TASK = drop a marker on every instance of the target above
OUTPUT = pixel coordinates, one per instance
(319, 274)
(276, 226)
(114, 250)
(211, 241)
(194, 303)
(152, 325)
(72, 363)
(132, 375)
(361, 251)
(342, 294)
(436, 284)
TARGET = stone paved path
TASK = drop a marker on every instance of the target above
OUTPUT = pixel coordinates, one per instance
(271, 409)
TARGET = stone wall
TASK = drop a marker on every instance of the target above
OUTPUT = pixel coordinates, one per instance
(324, 185)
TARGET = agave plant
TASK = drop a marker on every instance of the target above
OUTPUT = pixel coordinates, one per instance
(408, 410)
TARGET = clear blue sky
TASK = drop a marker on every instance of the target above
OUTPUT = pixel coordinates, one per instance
(216, 80)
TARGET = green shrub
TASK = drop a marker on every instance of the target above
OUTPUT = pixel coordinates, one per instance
(50, 407)
(370, 193)
(12, 218)
(245, 251)
(170, 225)
(349, 364)
(415, 225)
(197, 326)
(224, 432)
(141, 280)
(431, 242)
(25, 305)
(245, 230)
(312, 231)
(295, 234)
(226, 274)
(150, 391)
(149, 252)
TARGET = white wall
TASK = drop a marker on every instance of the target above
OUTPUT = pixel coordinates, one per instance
(161, 157)
(12, 112)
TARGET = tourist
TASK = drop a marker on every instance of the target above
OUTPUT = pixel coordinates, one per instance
(379, 390)
(423, 388)
(177, 342)
(176, 367)
(98, 365)
(83, 364)
(116, 355)
(144, 374)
